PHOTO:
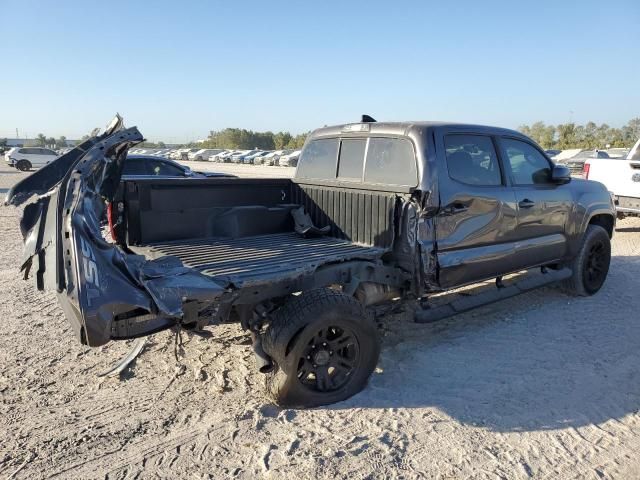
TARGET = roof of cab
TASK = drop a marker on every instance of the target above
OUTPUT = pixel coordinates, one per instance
(405, 128)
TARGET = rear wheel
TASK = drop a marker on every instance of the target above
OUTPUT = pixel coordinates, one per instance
(591, 266)
(325, 347)
(23, 165)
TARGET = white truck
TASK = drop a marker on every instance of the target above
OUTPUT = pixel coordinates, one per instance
(621, 177)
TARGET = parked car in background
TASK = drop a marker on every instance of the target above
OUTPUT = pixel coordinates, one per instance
(576, 163)
(552, 153)
(251, 159)
(621, 176)
(239, 156)
(271, 158)
(163, 152)
(25, 158)
(184, 155)
(204, 154)
(147, 165)
(290, 160)
(177, 154)
(216, 156)
(225, 156)
(618, 152)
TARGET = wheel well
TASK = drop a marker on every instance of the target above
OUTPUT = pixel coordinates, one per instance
(603, 220)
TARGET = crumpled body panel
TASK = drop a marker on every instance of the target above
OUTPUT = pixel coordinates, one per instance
(105, 292)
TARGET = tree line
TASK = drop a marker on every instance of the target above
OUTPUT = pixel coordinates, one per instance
(232, 138)
(41, 141)
(243, 139)
(588, 136)
(562, 136)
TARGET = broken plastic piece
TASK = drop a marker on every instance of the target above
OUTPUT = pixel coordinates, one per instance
(304, 225)
(119, 367)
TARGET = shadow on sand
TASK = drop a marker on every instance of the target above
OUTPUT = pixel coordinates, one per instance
(543, 360)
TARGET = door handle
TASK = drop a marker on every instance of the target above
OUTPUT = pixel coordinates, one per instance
(526, 203)
(454, 208)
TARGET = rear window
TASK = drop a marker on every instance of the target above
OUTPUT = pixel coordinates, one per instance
(318, 159)
(351, 159)
(391, 161)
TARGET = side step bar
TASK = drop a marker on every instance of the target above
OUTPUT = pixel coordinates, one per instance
(520, 285)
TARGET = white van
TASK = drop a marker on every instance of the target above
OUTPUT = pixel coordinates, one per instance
(24, 158)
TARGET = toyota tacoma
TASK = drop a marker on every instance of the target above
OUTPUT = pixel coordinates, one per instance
(377, 212)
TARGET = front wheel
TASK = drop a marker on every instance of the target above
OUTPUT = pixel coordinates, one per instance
(23, 165)
(325, 347)
(591, 266)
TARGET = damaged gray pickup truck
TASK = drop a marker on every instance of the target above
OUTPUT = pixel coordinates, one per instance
(376, 212)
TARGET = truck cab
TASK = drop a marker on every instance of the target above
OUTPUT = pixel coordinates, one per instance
(488, 201)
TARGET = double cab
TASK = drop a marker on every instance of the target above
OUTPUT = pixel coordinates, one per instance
(376, 212)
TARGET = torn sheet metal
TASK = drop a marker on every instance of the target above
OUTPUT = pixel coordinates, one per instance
(104, 291)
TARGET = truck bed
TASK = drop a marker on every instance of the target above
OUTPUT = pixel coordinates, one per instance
(258, 259)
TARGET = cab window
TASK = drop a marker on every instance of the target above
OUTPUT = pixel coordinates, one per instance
(391, 161)
(528, 166)
(472, 159)
(351, 159)
(318, 159)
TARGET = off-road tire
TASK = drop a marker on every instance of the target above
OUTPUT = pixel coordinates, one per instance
(296, 326)
(23, 165)
(594, 242)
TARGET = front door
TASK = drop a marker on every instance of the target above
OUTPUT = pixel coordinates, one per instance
(477, 215)
(543, 206)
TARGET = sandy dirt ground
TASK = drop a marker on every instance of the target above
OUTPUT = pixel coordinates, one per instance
(541, 386)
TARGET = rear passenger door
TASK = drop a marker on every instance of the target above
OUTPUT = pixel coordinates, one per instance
(477, 217)
(39, 156)
(30, 153)
(543, 206)
(47, 155)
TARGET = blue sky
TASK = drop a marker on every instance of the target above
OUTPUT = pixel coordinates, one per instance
(178, 69)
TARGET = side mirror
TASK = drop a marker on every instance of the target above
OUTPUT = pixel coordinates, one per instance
(561, 175)
(188, 172)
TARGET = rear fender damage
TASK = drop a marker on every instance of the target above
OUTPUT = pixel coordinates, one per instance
(105, 292)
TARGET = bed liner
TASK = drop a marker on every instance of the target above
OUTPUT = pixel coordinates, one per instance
(262, 258)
